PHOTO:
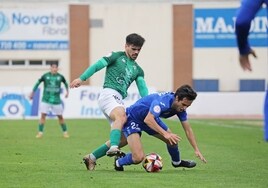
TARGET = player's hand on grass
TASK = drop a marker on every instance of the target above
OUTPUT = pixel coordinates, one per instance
(76, 83)
(244, 60)
(200, 156)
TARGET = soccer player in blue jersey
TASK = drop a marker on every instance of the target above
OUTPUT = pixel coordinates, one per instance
(145, 115)
(245, 15)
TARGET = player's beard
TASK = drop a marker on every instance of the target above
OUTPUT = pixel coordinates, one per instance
(134, 56)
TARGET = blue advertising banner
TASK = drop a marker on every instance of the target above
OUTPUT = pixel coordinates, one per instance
(34, 45)
(216, 28)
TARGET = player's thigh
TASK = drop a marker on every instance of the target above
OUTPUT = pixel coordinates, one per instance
(44, 108)
(109, 100)
(57, 109)
(135, 145)
(118, 113)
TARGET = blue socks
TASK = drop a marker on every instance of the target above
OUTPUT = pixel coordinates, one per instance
(127, 160)
(174, 152)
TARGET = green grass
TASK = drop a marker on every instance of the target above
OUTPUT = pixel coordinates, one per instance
(236, 153)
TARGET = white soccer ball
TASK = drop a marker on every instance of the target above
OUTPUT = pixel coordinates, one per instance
(152, 162)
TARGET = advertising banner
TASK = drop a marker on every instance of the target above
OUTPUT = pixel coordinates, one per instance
(216, 28)
(34, 29)
(81, 103)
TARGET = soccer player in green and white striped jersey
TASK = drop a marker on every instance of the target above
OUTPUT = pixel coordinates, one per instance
(121, 71)
(51, 98)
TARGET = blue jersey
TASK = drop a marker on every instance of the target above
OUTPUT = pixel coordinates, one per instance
(159, 104)
(245, 15)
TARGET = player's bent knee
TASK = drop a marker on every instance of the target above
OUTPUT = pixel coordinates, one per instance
(138, 158)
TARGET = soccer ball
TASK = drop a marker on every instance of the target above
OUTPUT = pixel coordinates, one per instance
(152, 162)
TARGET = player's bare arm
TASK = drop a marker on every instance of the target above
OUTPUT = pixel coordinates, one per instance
(171, 137)
(191, 138)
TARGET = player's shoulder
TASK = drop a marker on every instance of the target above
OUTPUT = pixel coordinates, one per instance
(158, 96)
(115, 54)
(119, 53)
(166, 94)
(46, 74)
(61, 75)
(166, 97)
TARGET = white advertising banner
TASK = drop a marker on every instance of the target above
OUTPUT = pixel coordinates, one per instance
(82, 103)
(34, 29)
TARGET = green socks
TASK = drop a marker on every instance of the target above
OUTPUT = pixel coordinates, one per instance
(41, 127)
(100, 151)
(64, 127)
(115, 136)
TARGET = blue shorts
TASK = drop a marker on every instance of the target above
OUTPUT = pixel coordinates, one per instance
(132, 126)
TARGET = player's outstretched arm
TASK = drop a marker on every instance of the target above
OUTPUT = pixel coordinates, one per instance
(200, 156)
(245, 15)
(100, 64)
(191, 138)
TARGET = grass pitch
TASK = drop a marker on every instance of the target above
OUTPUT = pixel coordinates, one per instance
(236, 153)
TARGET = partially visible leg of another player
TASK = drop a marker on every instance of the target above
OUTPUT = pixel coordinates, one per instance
(90, 159)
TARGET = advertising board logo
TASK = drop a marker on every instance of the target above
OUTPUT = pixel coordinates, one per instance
(216, 28)
(14, 105)
(4, 23)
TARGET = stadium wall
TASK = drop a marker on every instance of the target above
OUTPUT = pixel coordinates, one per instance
(173, 54)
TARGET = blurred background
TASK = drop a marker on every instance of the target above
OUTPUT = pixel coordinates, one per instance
(187, 42)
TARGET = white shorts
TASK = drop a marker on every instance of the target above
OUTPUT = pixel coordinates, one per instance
(108, 100)
(55, 109)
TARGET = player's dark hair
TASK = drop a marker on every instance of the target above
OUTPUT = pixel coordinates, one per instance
(135, 40)
(186, 91)
(54, 63)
